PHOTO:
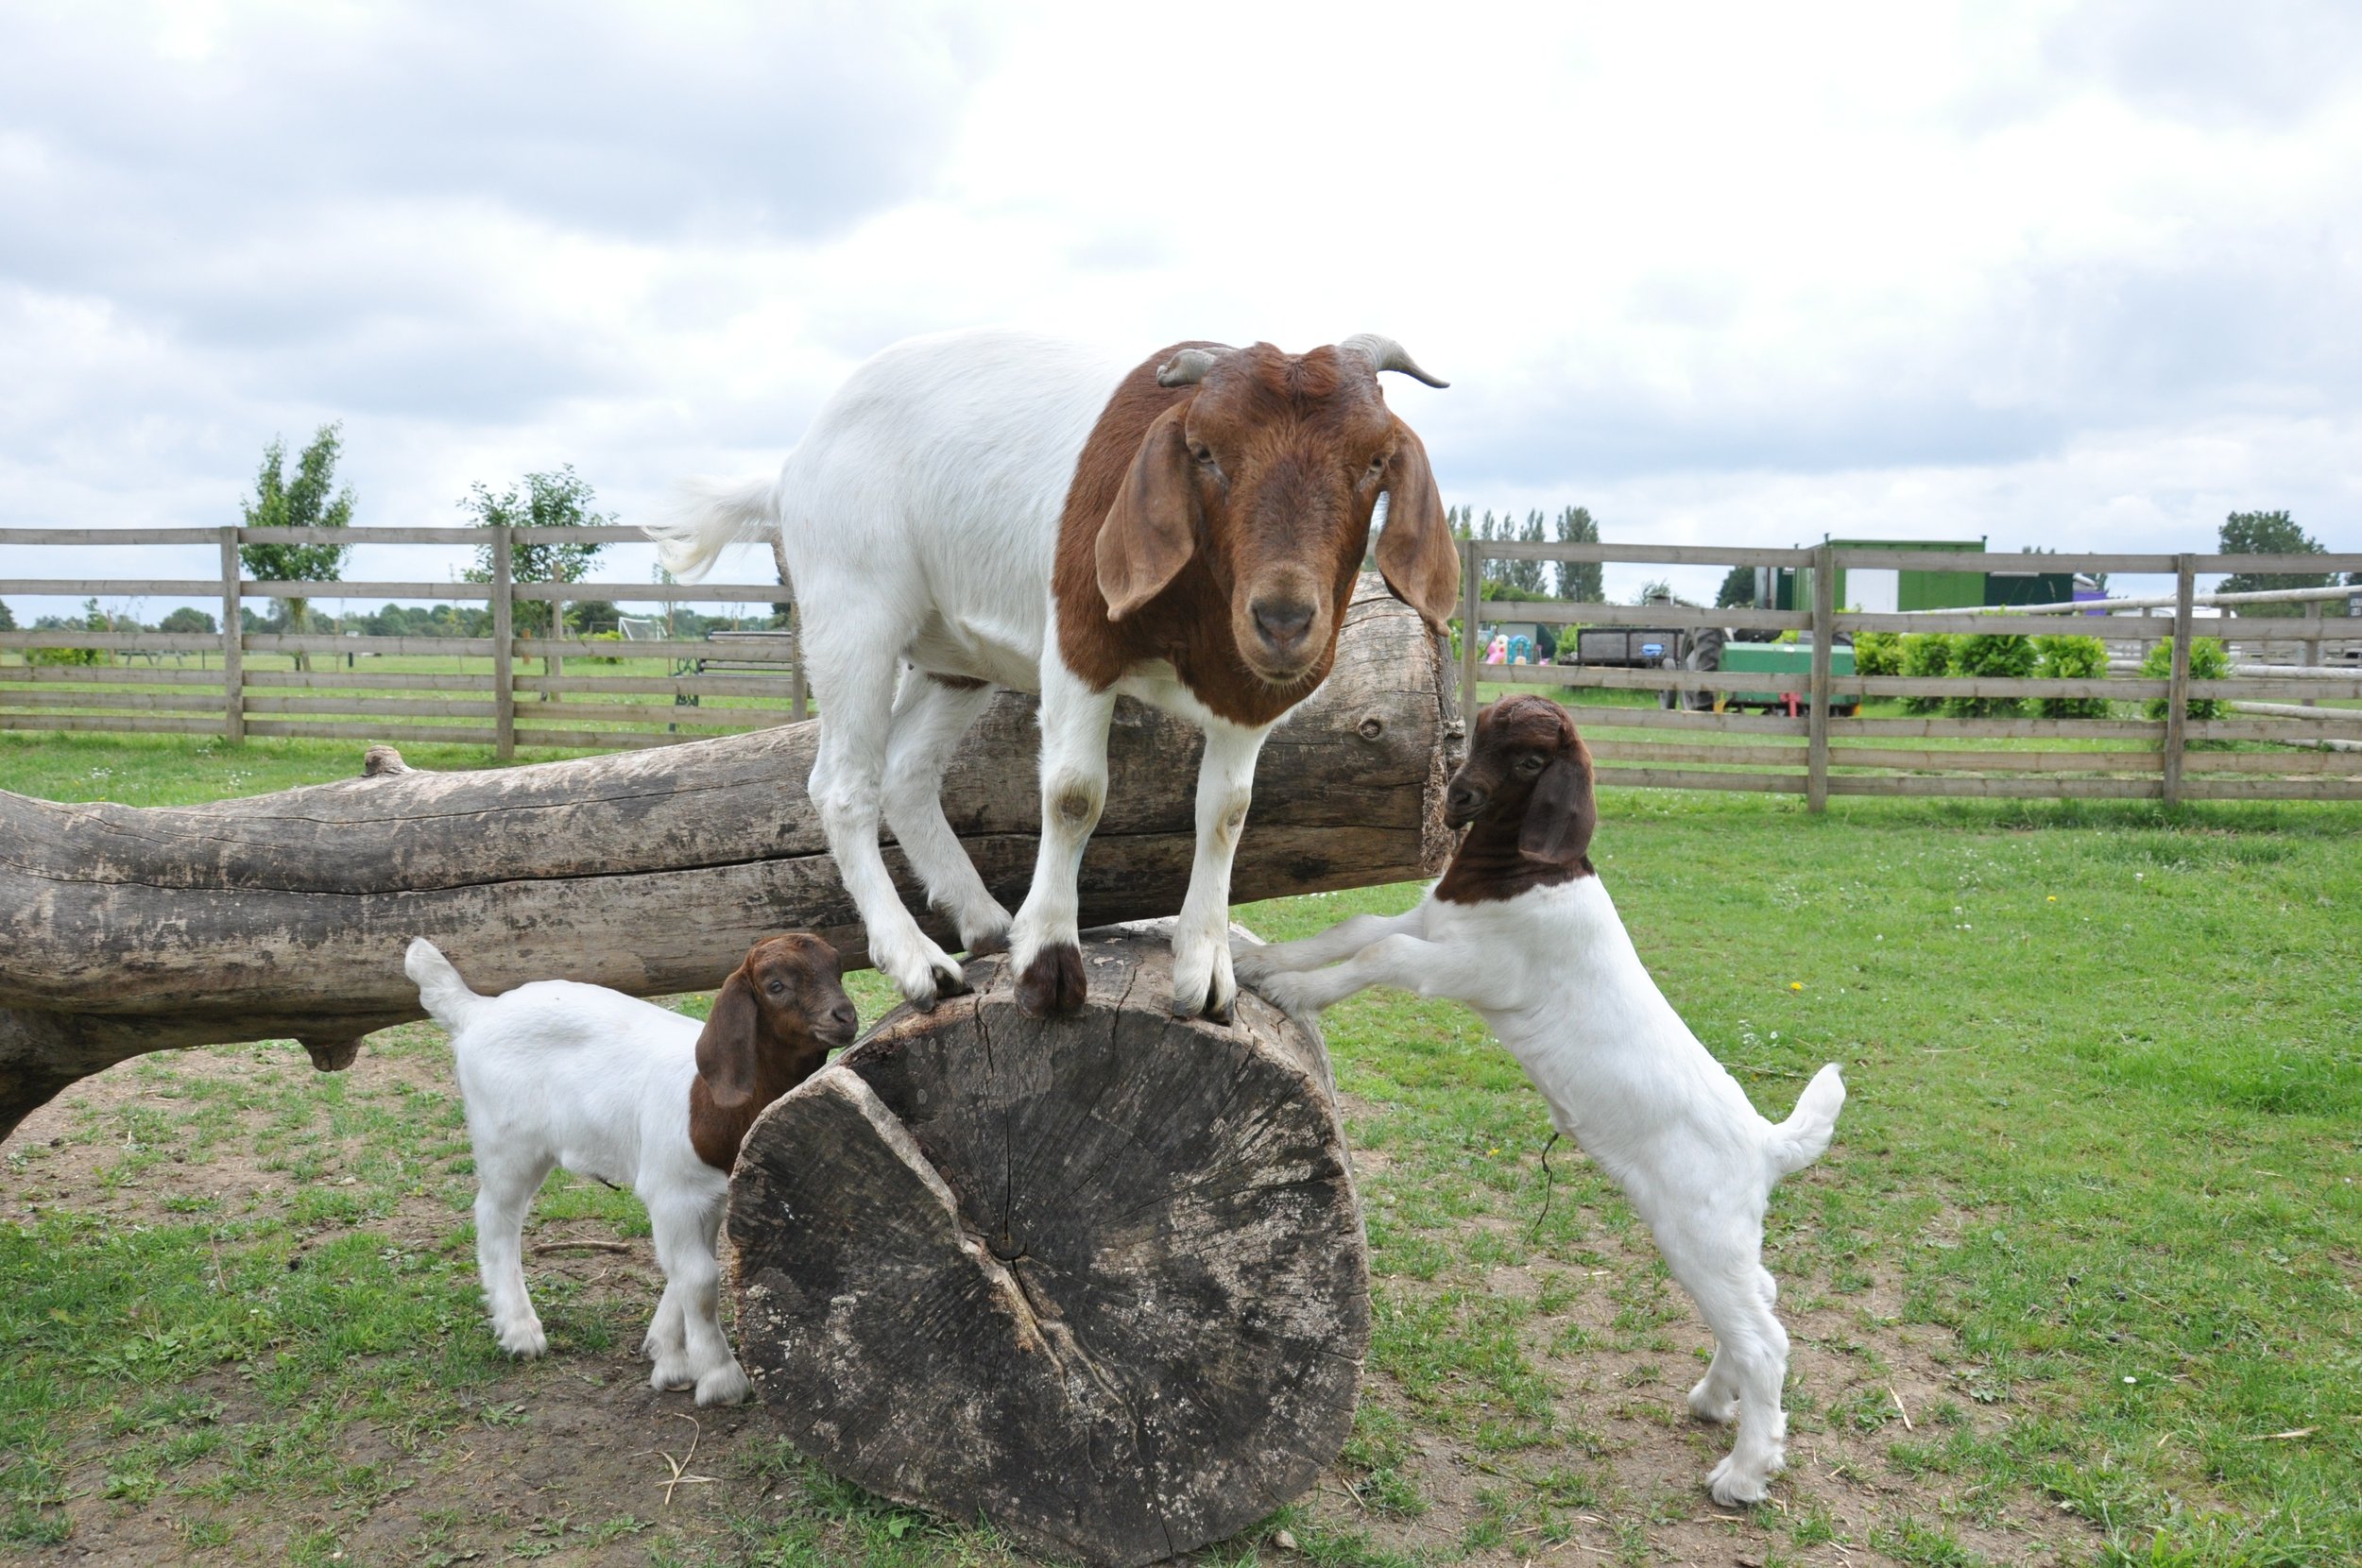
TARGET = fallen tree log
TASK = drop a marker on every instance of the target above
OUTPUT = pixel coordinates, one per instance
(285, 915)
(1100, 1279)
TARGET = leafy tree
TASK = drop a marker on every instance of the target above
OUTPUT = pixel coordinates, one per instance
(1579, 580)
(308, 500)
(8, 616)
(2209, 660)
(1737, 590)
(560, 499)
(2065, 658)
(1926, 657)
(93, 620)
(188, 618)
(2270, 533)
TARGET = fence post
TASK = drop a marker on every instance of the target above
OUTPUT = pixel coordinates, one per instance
(798, 700)
(503, 648)
(2178, 684)
(553, 665)
(233, 639)
(2312, 639)
(1824, 636)
(1471, 604)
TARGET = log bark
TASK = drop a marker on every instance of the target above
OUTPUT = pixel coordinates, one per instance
(1100, 1279)
(285, 915)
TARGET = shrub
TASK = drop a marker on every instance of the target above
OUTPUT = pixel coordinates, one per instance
(1993, 656)
(2208, 661)
(93, 619)
(603, 637)
(1877, 652)
(2071, 658)
(187, 619)
(1926, 656)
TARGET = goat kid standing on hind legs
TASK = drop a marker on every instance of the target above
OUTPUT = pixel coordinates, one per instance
(1000, 509)
(1520, 929)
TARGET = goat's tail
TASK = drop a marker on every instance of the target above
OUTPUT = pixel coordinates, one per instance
(1798, 1140)
(707, 518)
(442, 992)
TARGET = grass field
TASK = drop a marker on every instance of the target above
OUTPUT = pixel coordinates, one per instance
(2076, 1283)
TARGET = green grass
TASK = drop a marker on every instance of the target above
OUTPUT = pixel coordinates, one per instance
(2090, 1225)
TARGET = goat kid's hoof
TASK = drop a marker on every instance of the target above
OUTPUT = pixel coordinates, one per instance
(1252, 962)
(1205, 1007)
(724, 1385)
(990, 944)
(1054, 982)
(951, 981)
(1706, 1405)
(671, 1376)
(1734, 1488)
(523, 1340)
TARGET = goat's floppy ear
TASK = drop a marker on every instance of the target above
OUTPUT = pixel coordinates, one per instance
(725, 1050)
(1562, 813)
(1416, 551)
(1152, 529)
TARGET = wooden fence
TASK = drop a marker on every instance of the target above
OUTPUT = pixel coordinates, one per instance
(2279, 744)
(465, 688)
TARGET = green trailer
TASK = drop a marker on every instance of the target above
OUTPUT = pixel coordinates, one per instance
(1790, 664)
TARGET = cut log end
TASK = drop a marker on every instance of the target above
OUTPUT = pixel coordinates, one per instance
(378, 761)
(1099, 1278)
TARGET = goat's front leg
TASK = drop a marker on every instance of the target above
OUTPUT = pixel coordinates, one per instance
(693, 1280)
(1202, 981)
(1259, 961)
(1402, 960)
(1044, 946)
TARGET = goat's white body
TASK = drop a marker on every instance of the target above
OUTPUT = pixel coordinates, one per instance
(920, 520)
(1555, 973)
(559, 1074)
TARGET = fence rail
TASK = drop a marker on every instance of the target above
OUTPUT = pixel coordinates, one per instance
(482, 689)
(2141, 743)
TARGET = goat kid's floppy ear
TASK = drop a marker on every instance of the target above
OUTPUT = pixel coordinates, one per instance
(1151, 531)
(725, 1050)
(1562, 813)
(1416, 554)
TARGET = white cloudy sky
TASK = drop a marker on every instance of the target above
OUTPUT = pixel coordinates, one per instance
(2075, 274)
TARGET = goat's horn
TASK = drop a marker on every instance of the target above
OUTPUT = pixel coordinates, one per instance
(1384, 353)
(1189, 367)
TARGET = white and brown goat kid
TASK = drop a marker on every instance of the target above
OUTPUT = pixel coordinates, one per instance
(994, 508)
(557, 1073)
(1521, 929)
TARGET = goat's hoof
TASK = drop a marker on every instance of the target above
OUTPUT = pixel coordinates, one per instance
(990, 944)
(1252, 962)
(1734, 1488)
(1722, 1409)
(724, 1385)
(1052, 983)
(949, 982)
(1209, 1009)
(671, 1375)
(523, 1340)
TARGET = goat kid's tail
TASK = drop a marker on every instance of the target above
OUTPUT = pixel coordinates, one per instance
(709, 518)
(442, 992)
(1798, 1140)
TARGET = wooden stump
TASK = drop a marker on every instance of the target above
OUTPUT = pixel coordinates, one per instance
(1100, 1279)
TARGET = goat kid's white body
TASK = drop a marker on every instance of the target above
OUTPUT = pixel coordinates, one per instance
(559, 1074)
(1555, 973)
(918, 520)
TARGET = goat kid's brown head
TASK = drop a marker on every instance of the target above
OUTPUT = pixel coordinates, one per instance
(775, 1020)
(1528, 766)
(1270, 473)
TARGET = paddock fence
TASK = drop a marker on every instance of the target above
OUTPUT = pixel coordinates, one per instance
(2284, 723)
(501, 690)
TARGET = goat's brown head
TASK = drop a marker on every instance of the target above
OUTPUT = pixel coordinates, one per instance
(773, 1024)
(1270, 473)
(1525, 793)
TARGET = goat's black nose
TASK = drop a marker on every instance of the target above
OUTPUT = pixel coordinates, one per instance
(844, 1018)
(1463, 801)
(1282, 621)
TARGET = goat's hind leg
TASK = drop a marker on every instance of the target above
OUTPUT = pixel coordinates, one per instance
(504, 1187)
(854, 680)
(1719, 1261)
(931, 713)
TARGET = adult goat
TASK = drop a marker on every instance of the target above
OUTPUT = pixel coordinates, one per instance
(998, 508)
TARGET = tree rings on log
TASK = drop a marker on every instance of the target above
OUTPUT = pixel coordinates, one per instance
(1099, 1279)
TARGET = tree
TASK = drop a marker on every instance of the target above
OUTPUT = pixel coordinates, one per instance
(309, 499)
(8, 616)
(560, 500)
(188, 618)
(1737, 590)
(1581, 581)
(2270, 533)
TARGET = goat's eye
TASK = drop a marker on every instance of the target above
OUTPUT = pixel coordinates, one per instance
(1378, 463)
(1530, 762)
(779, 988)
